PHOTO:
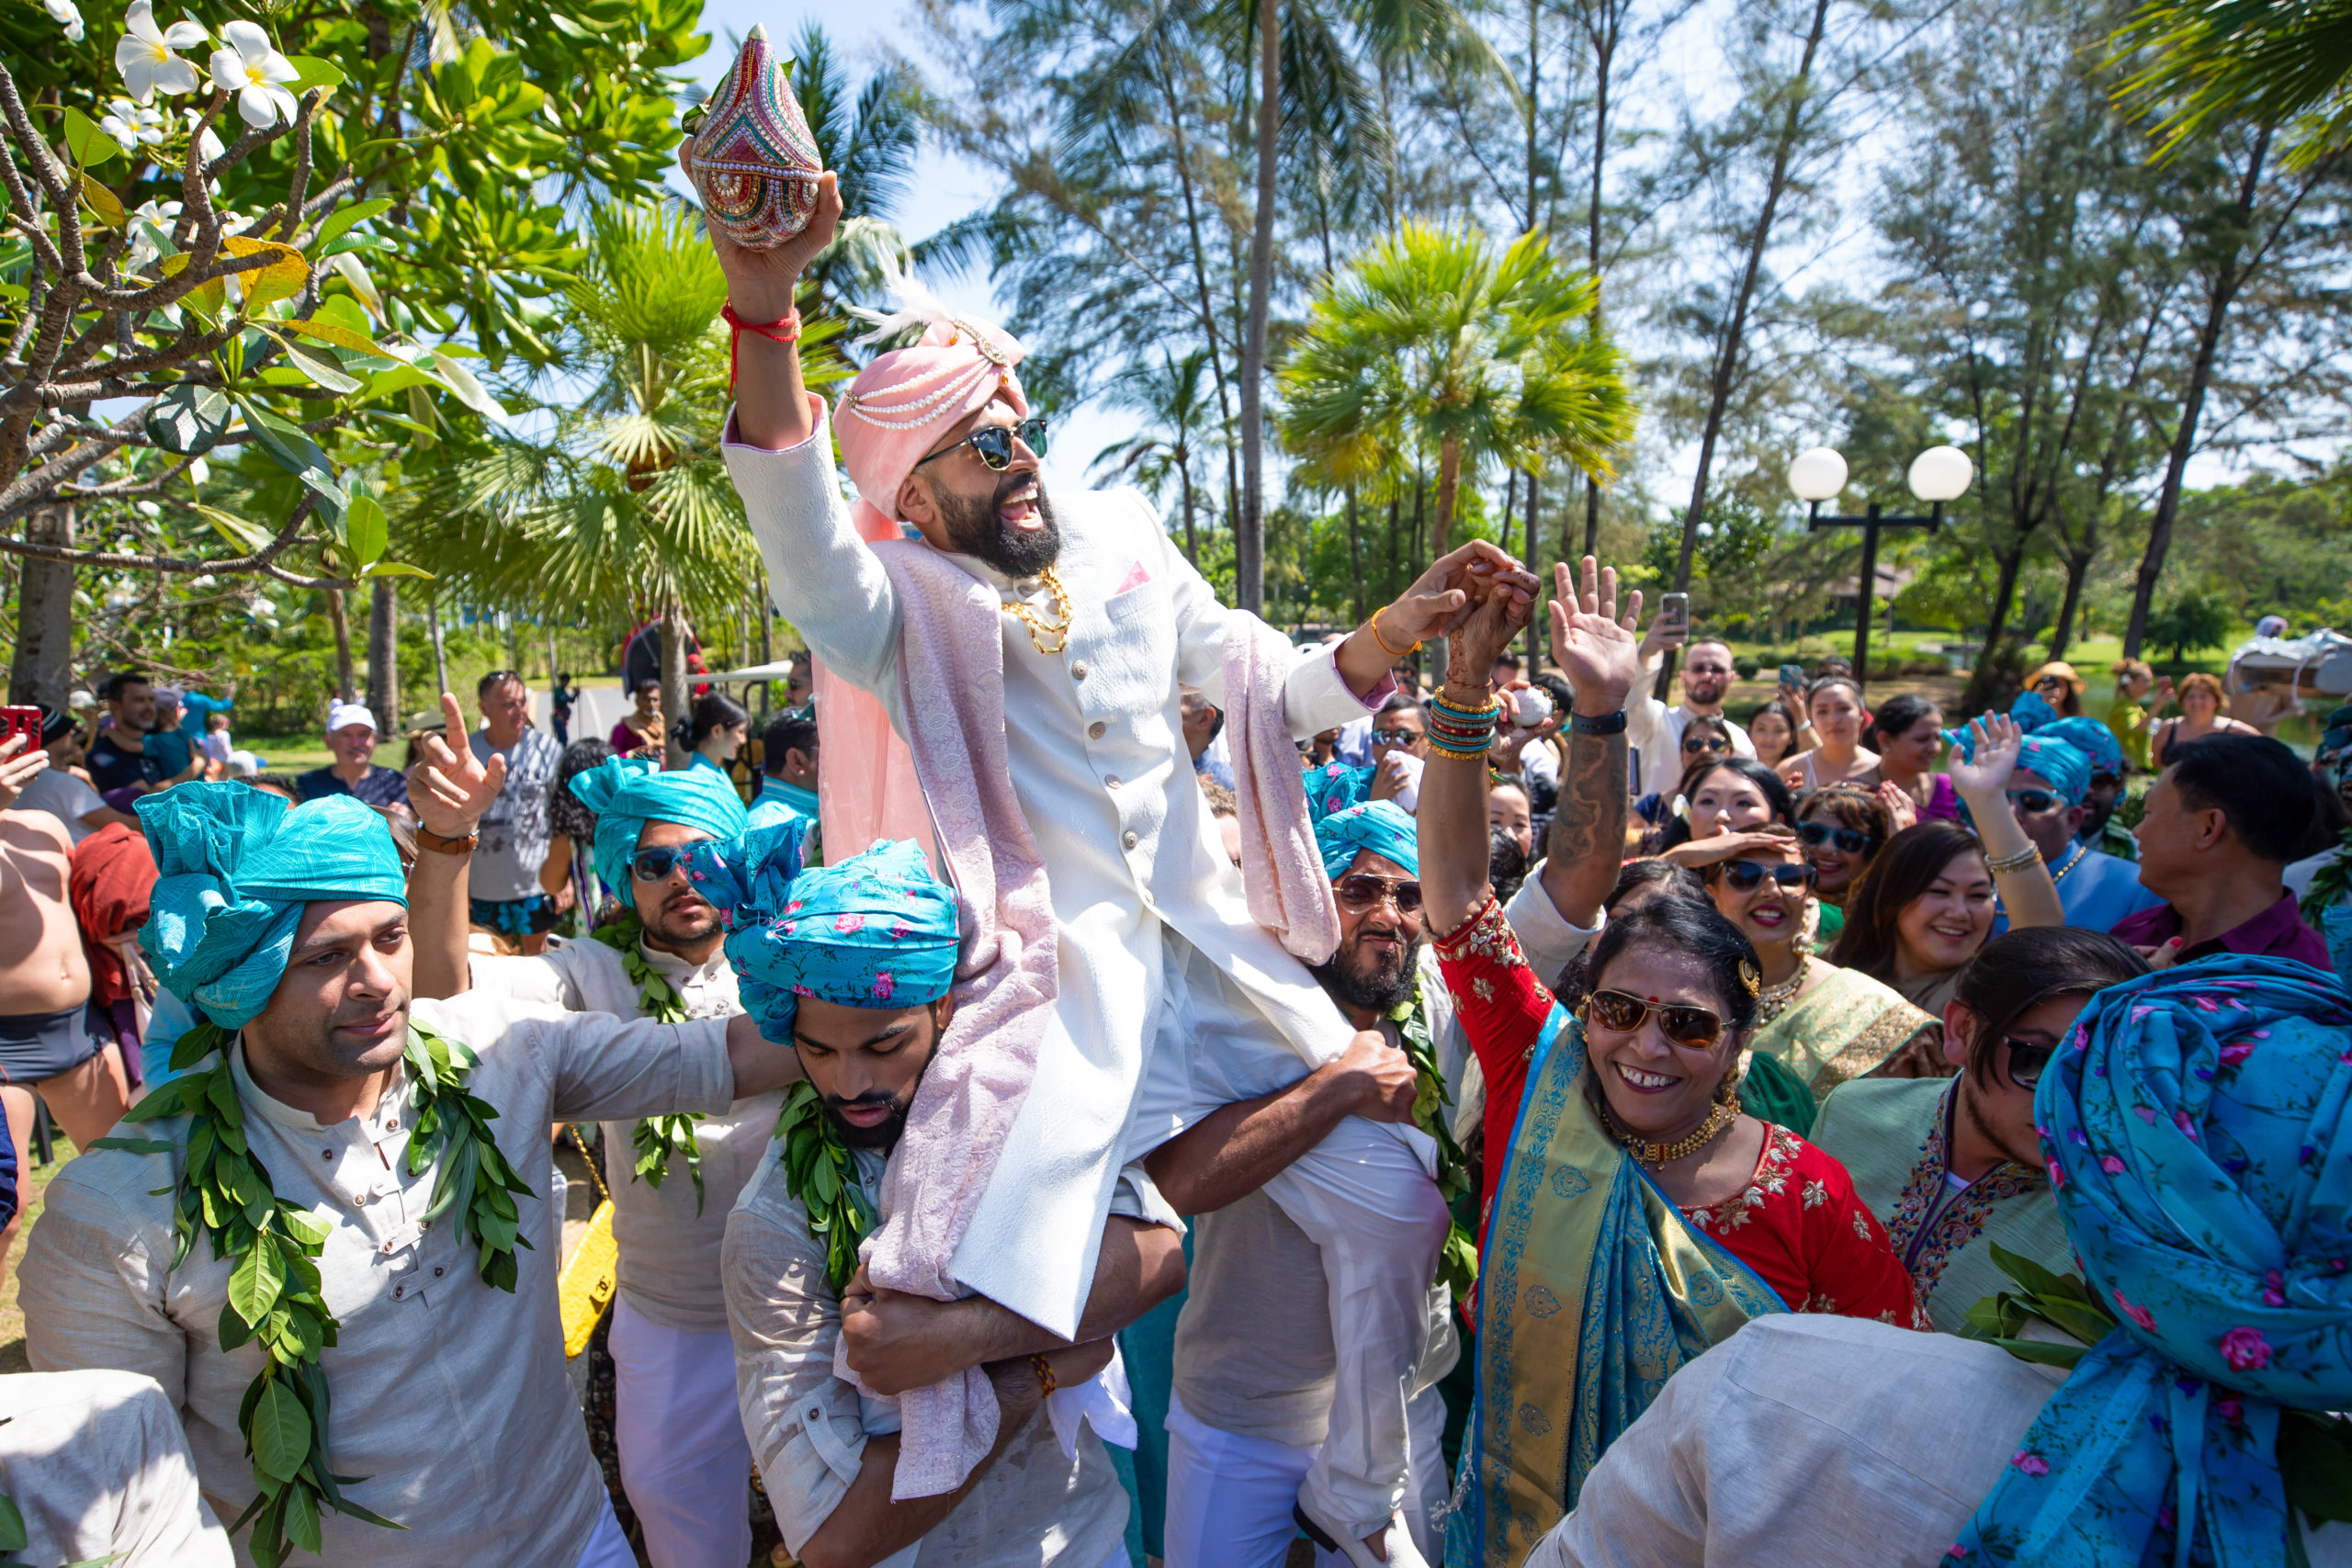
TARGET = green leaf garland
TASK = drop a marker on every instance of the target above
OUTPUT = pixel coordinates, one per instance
(2329, 884)
(1457, 1264)
(224, 1193)
(655, 1138)
(819, 1171)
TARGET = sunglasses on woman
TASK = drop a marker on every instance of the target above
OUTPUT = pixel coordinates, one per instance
(1746, 875)
(1358, 890)
(1622, 1014)
(2034, 801)
(654, 864)
(994, 443)
(1815, 834)
(1705, 743)
(2026, 1061)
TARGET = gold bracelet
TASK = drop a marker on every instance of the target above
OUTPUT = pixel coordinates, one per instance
(1047, 1381)
(2018, 861)
(1372, 626)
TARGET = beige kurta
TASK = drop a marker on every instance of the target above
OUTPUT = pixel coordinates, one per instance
(98, 1466)
(449, 1395)
(669, 1261)
(1096, 759)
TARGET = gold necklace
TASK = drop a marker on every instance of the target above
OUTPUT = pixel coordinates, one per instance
(1772, 998)
(1039, 628)
(1719, 1116)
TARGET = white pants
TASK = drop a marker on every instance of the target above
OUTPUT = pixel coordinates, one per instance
(685, 1462)
(1230, 1496)
(608, 1548)
(1364, 1196)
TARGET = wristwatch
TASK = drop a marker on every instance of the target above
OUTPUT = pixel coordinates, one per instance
(1607, 724)
(426, 839)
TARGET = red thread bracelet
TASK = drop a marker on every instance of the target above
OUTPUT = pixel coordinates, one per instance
(783, 329)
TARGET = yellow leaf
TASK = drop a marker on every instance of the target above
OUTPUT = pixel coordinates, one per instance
(281, 279)
(338, 336)
(103, 202)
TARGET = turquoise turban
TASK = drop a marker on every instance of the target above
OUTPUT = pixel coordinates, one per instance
(627, 793)
(875, 930)
(234, 865)
(2068, 770)
(2092, 739)
(2194, 1124)
(1382, 826)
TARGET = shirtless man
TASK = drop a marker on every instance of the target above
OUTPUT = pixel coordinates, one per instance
(46, 1044)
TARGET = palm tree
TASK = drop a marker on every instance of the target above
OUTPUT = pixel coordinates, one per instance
(1432, 341)
(1175, 402)
(2267, 62)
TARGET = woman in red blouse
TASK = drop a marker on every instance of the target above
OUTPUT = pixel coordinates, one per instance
(1634, 1216)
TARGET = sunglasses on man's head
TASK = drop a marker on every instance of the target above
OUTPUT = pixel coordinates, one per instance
(653, 865)
(1705, 743)
(1815, 834)
(1360, 890)
(994, 443)
(2034, 801)
(1746, 875)
(2027, 1060)
(1619, 1013)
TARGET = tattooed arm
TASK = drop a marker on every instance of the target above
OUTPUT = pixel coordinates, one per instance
(1596, 650)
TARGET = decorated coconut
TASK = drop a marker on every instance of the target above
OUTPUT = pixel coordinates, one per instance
(752, 157)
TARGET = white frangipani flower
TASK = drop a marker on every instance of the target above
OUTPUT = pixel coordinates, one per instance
(254, 72)
(131, 124)
(67, 16)
(144, 54)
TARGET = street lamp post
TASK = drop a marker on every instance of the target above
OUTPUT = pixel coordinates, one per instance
(1938, 475)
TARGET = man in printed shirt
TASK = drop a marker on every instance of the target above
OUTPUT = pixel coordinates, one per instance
(683, 1458)
(289, 930)
(809, 948)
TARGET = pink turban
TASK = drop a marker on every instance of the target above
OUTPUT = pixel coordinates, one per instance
(900, 407)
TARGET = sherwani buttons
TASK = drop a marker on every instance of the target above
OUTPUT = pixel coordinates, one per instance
(1094, 731)
(1111, 780)
(1128, 840)
(1078, 670)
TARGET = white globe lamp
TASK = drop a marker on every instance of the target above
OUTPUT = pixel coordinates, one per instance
(1941, 473)
(1818, 475)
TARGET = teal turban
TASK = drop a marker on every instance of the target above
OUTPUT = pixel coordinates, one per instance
(627, 793)
(1382, 826)
(2068, 770)
(875, 930)
(234, 865)
(2092, 739)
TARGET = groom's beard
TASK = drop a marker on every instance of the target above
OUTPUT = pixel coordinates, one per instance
(974, 528)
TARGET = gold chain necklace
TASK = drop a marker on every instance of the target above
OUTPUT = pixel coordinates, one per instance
(1040, 629)
(1773, 999)
(1719, 1116)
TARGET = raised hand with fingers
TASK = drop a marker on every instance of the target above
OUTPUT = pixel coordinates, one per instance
(451, 788)
(1442, 599)
(1502, 604)
(1997, 741)
(18, 768)
(1593, 644)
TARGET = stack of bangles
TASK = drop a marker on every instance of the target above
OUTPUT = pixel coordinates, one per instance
(1462, 733)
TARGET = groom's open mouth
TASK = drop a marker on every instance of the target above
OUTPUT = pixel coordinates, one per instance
(1016, 505)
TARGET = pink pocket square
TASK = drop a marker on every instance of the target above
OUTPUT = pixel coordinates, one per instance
(1136, 578)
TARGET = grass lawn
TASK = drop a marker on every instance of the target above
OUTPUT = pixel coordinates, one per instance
(12, 1321)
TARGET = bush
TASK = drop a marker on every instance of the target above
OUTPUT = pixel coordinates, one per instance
(1744, 667)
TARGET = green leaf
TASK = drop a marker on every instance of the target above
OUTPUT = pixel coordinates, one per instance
(303, 1518)
(131, 1145)
(305, 1228)
(86, 142)
(12, 1523)
(281, 1432)
(103, 202)
(255, 1283)
(2037, 1280)
(323, 369)
(311, 71)
(343, 218)
(395, 569)
(2044, 1351)
(469, 390)
(336, 335)
(367, 529)
(245, 536)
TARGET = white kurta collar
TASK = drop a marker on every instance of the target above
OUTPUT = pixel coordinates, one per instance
(395, 1103)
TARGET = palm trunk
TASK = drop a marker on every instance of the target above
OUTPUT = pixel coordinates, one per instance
(1249, 532)
(1449, 480)
(1191, 534)
(674, 701)
(1355, 554)
(440, 650)
(339, 617)
(1535, 565)
(42, 669)
(1604, 52)
(1201, 281)
(383, 656)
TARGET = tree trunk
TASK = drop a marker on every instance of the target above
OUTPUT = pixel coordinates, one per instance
(674, 701)
(1981, 683)
(383, 656)
(42, 669)
(555, 659)
(1250, 530)
(1604, 52)
(1191, 534)
(440, 650)
(2227, 280)
(2079, 566)
(513, 629)
(339, 617)
(1535, 101)
(1541, 620)
(1208, 316)
(1726, 364)
(1449, 480)
(1355, 554)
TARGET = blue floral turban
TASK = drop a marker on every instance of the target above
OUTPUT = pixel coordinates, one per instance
(875, 930)
(1335, 786)
(627, 793)
(1382, 827)
(2092, 739)
(2068, 770)
(2193, 1125)
(234, 865)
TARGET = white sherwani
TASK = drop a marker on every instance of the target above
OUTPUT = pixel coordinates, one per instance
(1098, 763)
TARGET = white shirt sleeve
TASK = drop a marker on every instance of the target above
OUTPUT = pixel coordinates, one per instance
(1550, 943)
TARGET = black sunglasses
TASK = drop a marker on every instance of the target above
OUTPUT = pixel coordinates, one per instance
(1705, 743)
(1358, 890)
(2028, 1061)
(1395, 737)
(654, 864)
(1815, 834)
(1622, 1014)
(2034, 801)
(994, 443)
(1746, 875)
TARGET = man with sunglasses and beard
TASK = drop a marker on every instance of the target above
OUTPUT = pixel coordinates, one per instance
(679, 1444)
(1012, 673)
(2046, 798)
(852, 964)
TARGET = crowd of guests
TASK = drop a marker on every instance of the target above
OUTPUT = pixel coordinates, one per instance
(1820, 1056)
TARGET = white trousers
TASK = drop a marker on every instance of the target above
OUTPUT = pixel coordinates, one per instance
(1230, 1496)
(1364, 1196)
(608, 1548)
(685, 1462)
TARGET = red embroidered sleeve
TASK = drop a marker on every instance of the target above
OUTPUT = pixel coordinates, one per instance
(1850, 1263)
(1503, 1008)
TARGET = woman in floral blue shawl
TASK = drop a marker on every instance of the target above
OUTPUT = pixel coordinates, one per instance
(2192, 1127)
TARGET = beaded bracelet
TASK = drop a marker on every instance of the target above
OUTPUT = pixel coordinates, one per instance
(1462, 734)
(2018, 861)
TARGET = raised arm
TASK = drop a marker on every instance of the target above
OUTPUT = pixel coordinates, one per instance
(2028, 897)
(1594, 648)
(449, 790)
(1453, 811)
